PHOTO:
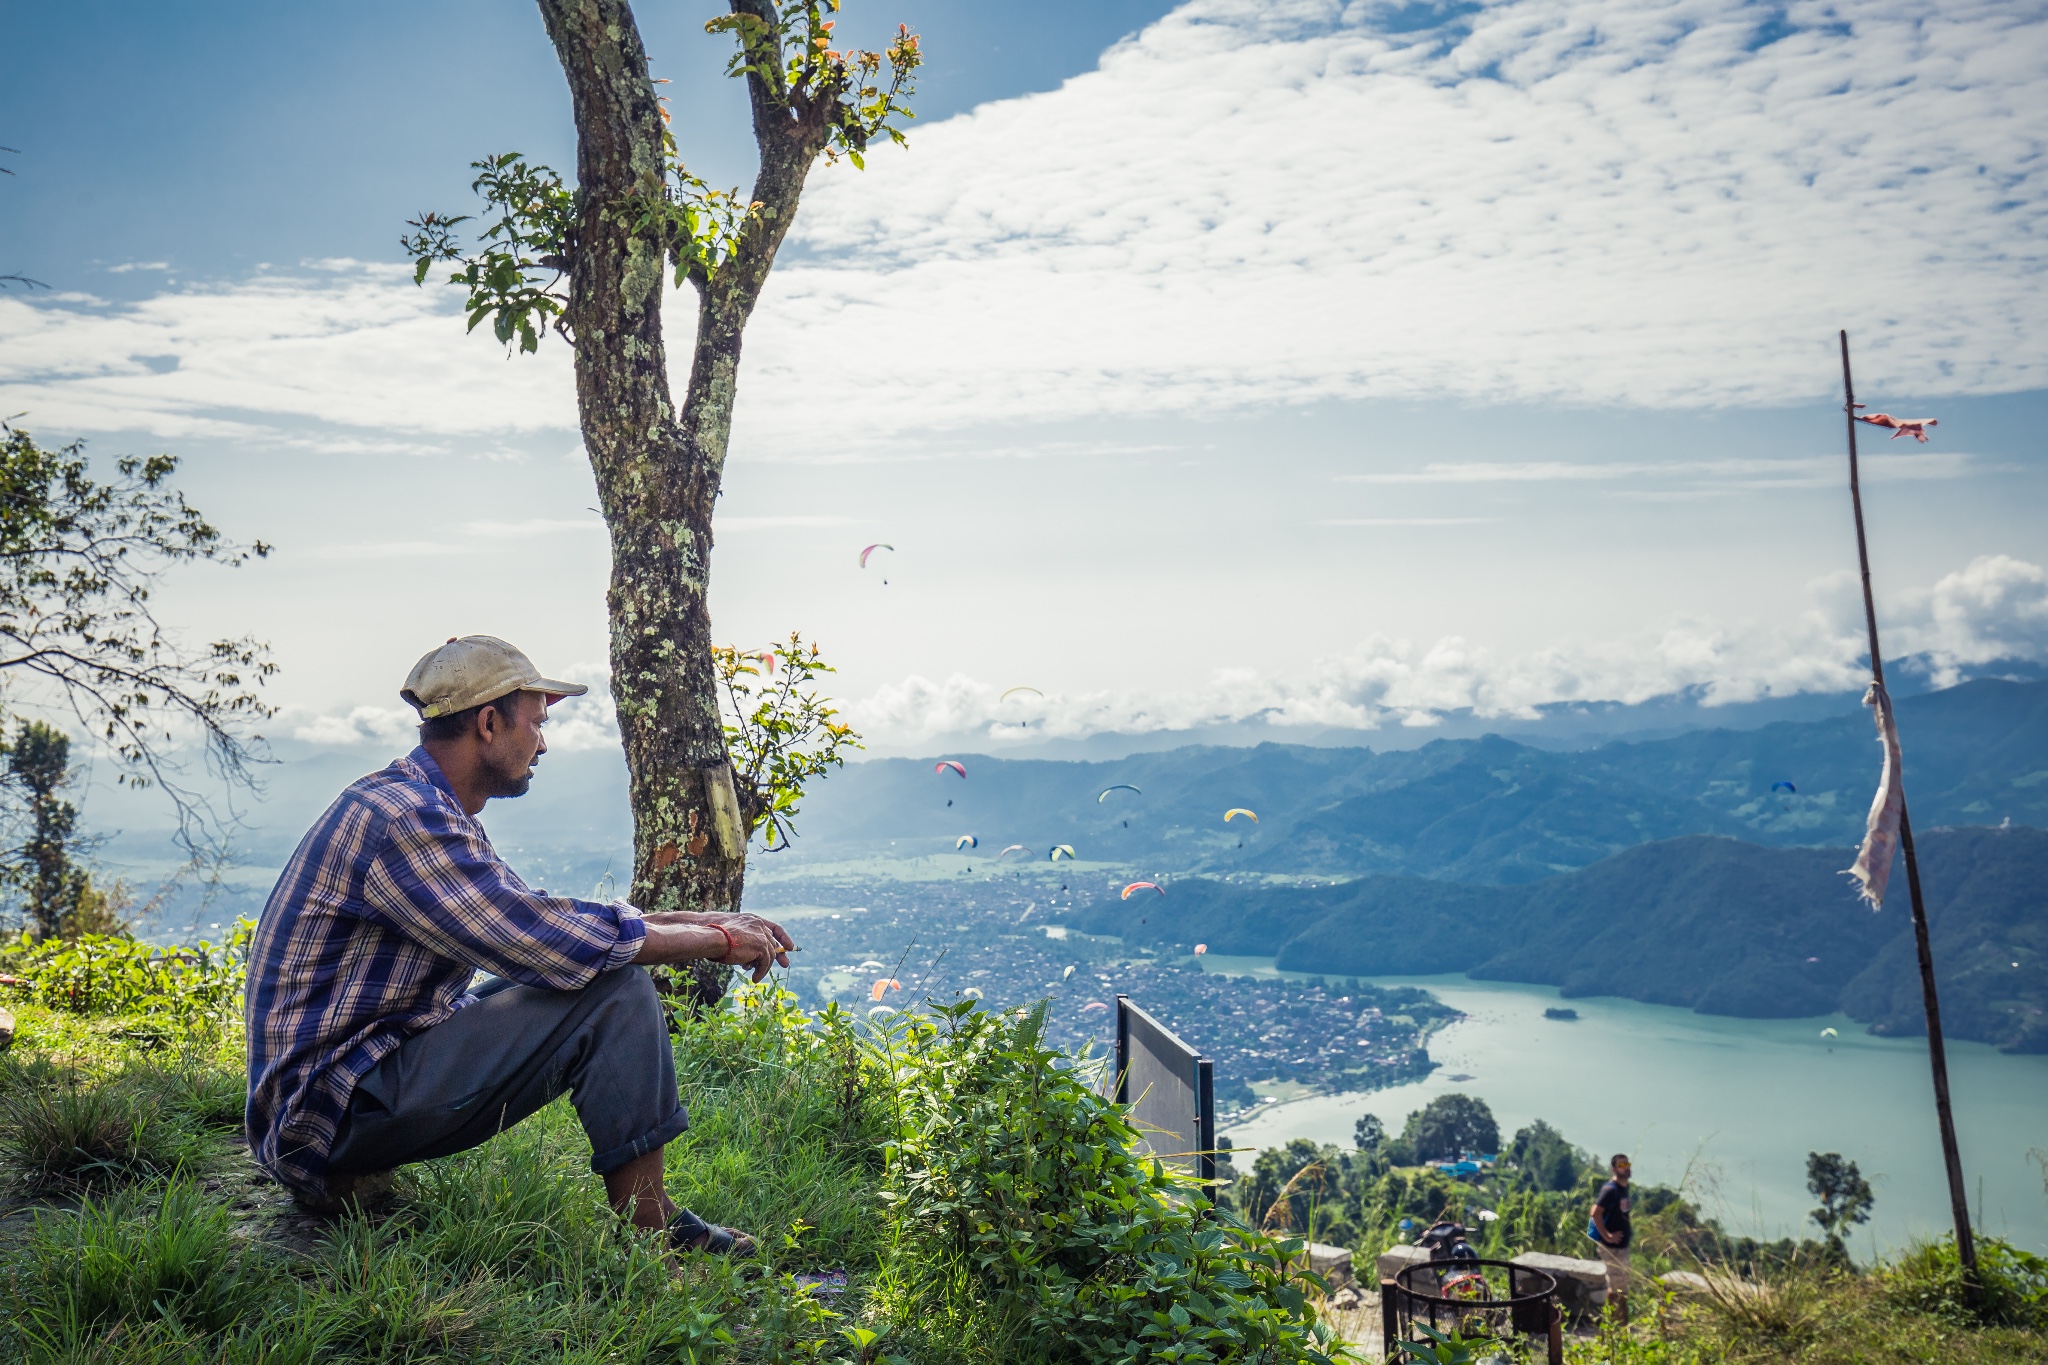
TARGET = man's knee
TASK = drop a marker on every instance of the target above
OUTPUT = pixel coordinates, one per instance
(630, 992)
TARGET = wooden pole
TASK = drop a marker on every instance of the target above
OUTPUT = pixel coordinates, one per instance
(1937, 1053)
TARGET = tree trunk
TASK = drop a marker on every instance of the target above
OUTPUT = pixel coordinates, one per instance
(658, 470)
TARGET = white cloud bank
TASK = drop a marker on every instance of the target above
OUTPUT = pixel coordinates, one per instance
(1994, 608)
(1259, 202)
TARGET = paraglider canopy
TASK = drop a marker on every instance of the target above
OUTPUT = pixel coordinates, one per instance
(1236, 811)
(878, 545)
(1013, 848)
(1201, 948)
(1829, 1033)
(887, 983)
(1140, 886)
(1119, 787)
(966, 841)
(1011, 692)
(946, 763)
(1784, 787)
(1058, 849)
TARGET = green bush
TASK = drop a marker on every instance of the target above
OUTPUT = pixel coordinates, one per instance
(115, 974)
(1018, 1183)
(1929, 1279)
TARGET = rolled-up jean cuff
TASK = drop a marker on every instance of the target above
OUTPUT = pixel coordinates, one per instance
(651, 1141)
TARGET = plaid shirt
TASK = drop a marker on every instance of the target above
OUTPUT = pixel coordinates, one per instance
(393, 900)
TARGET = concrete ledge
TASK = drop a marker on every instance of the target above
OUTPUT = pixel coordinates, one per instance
(1581, 1285)
(1394, 1260)
(1332, 1263)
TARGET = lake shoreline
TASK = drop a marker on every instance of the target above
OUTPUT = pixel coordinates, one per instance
(1726, 1107)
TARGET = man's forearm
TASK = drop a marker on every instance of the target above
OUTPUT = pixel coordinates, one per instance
(669, 941)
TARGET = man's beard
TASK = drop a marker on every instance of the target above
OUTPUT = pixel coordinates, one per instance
(510, 783)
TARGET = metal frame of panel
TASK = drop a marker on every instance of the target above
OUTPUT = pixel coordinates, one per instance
(1173, 1060)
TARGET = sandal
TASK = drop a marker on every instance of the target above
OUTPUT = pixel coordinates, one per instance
(688, 1232)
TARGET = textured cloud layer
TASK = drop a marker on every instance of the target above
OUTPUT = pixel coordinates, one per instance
(1636, 201)
(1259, 202)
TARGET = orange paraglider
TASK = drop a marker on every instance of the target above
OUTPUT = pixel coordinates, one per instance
(1141, 886)
(887, 983)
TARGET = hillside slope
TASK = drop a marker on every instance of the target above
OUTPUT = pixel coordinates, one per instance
(1710, 924)
(1481, 810)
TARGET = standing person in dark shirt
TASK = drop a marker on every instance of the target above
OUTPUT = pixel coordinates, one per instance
(1610, 1229)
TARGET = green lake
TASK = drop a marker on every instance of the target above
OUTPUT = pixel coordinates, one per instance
(1729, 1107)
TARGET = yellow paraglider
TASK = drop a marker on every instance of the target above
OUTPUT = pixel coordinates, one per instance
(1015, 690)
(1829, 1033)
(1058, 849)
(1236, 811)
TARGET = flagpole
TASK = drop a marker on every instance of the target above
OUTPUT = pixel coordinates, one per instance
(1937, 1053)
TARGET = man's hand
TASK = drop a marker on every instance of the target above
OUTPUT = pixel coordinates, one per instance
(758, 943)
(691, 936)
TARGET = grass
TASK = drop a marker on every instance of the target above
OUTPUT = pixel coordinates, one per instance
(1809, 1316)
(140, 1233)
(504, 1253)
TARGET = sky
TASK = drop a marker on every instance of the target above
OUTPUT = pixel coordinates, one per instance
(1309, 363)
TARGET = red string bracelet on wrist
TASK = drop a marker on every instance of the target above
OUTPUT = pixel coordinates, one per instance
(731, 946)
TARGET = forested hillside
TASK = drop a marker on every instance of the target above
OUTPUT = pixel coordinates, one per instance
(1716, 925)
(1482, 810)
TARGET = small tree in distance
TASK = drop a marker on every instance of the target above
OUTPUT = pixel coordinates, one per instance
(589, 263)
(80, 559)
(1845, 1197)
(1449, 1126)
(56, 894)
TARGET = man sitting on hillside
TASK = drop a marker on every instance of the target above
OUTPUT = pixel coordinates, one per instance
(367, 1047)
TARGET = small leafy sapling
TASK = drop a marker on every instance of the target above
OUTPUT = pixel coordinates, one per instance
(782, 733)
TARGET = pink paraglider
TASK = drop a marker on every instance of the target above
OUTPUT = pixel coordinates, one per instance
(878, 545)
(1201, 948)
(946, 763)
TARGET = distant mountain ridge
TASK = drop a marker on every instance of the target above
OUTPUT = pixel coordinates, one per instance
(1487, 810)
(1710, 924)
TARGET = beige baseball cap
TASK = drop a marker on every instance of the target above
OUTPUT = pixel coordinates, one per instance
(473, 669)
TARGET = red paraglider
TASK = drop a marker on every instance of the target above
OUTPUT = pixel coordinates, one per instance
(1141, 886)
(946, 763)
